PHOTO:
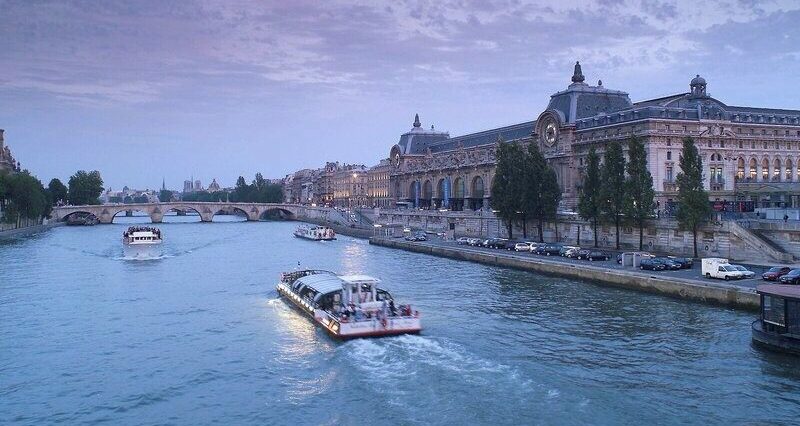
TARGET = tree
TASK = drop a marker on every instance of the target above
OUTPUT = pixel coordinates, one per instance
(612, 190)
(57, 191)
(541, 193)
(639, 186)
(507, 184)
(590, 197)
(23, 196)
(85, 188)
(693, 207)
(165, 195)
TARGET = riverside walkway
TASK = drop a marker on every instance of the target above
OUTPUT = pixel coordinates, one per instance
(685, 284)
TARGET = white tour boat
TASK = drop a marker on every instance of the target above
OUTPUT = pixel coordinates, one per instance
(142, 242)
(348, 306)
(316, 233)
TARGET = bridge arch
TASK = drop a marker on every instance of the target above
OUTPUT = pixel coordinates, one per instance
(76, 214)
(275, 213)
(227, 210)
(205, 213)
(114, 213)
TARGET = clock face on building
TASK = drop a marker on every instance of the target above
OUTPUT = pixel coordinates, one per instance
(397, 159)
(550, 133)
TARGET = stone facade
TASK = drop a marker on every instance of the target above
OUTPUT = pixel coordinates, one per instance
(378, 185)
(350, 186)
(751, 155)
(7, 162)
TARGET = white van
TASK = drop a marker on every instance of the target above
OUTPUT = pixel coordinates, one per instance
(715, 267)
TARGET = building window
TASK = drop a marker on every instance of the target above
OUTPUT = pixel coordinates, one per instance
(684, 128)
(669, 173)
(741, 145)
(709, 144)
(669, 155)
(722, 144)
(669, 142)
(667, 127)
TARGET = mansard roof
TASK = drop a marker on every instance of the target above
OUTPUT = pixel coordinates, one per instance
(507, 133)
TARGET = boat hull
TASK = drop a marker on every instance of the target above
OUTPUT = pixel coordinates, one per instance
(142, 251)
(392, 326)
(774, 341)
(312, 238)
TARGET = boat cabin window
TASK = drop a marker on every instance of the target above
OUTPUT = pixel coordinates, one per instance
(383, 295)
(773, 310)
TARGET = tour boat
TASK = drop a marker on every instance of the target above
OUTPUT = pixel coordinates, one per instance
(778, 326)
(142, 242)
(316, 233)
(348, 306)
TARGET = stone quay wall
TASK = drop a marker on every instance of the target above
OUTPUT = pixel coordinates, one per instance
(720, 239)
(694, 290)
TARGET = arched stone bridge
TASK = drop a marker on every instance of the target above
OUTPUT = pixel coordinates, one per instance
(254, 211)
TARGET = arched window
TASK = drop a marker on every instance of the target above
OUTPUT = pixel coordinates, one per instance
(753, 171)
(477, 187)
(440, 190)
(776, 170)
(427, 190)
(789, 168)
(765, 169)
(740, 169)
(458, 188)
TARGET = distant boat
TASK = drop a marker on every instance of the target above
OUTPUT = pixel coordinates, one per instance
(142, 242)
(316, 233)
(348, 306)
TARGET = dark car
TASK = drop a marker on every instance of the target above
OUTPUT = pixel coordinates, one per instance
(583, 254)
(652, 265)
(496, 243)
(549, 249)
(793, 277)
(598, 255)
(511, 245)
(669, 263)
(775, 273)
(685, 262)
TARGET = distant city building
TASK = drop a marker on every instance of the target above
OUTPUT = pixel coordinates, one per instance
(378, 185)
(323, 184)
(350, 186)
(7, 162)
(197, 186)
(214, 186)
(187, 186)
(751, 156)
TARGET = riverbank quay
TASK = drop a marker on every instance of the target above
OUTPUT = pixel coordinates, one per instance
(28, 230)
(699, 290)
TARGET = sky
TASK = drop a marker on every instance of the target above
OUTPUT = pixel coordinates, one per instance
(145, 90)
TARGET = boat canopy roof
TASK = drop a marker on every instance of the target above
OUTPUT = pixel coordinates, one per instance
(364, 279)
(780, 290)
(322, 283)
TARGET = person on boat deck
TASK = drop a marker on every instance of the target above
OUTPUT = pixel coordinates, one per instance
(392, 308)
(384, 309)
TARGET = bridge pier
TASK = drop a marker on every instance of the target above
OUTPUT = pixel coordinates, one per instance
(156, 217)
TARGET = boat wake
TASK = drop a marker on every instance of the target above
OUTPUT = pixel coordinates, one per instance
(452, 376)
(144, 258)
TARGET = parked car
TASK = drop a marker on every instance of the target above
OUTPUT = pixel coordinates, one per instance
(746, 273)
(572, 253)
(484, 243)
(583, 254)
(685, 262)
(549, 249)
(565, 249)
(793, 277)
(496, 243)
(598, 255)
(775, 273)
(535, 246)
(473, 241)
(669, 263)
(522, 247)
(652, 264)
(462, 241)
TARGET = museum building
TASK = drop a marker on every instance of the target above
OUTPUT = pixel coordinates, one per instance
(751, 156)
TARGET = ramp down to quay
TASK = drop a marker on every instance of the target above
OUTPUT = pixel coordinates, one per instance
(699, 290)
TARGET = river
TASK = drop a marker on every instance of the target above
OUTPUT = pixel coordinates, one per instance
(199, 337)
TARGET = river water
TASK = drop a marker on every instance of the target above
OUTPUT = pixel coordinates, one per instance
(199, 336)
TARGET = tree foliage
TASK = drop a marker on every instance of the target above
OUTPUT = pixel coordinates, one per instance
(639, 186)
(23, 196)
(85, 188)
(589, 204)
(508, 183)
(259, 191)
(693, 207)
(57, 191)
(613, 193)
(541, 193)
(165, 195)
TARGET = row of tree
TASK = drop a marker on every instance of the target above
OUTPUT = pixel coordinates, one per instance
(621, 192)
(616, 190)
(259, 191)
(23, 196)
(524, 187)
